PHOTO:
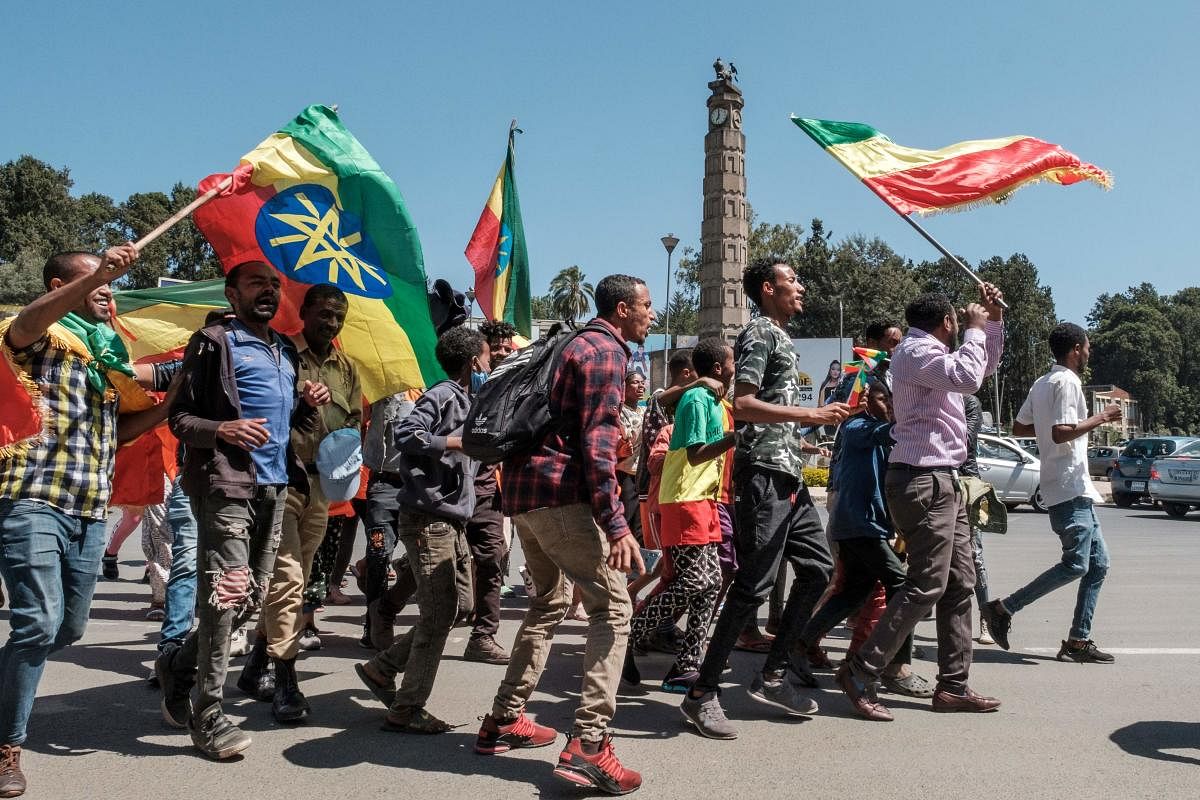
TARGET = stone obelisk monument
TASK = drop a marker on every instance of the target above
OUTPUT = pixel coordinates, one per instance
(725, 231)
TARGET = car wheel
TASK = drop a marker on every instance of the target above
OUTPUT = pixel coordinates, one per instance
(1122, 500)
(1177, 510)
(1037, 502)
(1108, 474)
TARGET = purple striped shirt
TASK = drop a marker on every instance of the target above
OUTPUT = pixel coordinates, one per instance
(928, 382)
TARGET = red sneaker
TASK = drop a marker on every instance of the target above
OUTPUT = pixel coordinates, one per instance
(495, 738)
(602, 771)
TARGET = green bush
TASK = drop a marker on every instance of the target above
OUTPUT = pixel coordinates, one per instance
(816, 476)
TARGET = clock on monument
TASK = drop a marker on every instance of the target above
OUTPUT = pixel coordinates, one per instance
(718, 116)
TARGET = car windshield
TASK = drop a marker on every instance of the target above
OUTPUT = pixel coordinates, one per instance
(1189, 449)
(1144, 448)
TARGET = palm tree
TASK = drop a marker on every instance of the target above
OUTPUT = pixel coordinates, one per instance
(570, 294)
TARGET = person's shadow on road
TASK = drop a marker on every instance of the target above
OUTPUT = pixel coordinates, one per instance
(1153, 739)
(362, 742)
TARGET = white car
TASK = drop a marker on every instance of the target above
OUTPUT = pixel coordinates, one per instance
(1011, 470)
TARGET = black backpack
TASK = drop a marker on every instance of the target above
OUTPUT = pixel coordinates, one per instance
(510, 415)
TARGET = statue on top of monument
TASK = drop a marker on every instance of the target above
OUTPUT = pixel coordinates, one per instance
(723, 73)
(732, 71)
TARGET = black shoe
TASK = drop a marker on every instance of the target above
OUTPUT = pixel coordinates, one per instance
(630, 672)
(217, 737)
(1087, 653)
(176, 705)
(999, 622)
(257, 680)
(290, 705)
(109, 568)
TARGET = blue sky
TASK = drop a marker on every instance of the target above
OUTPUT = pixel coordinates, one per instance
(135, 96)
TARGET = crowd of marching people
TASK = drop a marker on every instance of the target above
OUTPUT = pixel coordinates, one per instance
(252, 473)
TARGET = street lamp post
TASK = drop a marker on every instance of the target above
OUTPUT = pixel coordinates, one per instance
(669, 241)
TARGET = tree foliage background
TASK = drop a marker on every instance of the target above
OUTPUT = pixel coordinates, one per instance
(40, 217)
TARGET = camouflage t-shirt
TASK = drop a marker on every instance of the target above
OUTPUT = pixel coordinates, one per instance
(765, 357)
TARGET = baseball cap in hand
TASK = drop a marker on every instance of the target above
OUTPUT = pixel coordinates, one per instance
(339, 457)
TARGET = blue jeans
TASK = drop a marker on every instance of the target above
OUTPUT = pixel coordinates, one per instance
(49, 561)
(181, 584)
(1084, 558)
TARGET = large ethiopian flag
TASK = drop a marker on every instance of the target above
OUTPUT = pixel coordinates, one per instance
(311, 202)
(952, 178)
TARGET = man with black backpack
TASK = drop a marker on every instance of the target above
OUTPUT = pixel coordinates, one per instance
(565, 505)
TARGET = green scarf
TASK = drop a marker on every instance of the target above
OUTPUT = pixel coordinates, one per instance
(107, 349)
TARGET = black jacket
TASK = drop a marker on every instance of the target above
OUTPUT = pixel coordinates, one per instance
(208, 397)
(974, 413)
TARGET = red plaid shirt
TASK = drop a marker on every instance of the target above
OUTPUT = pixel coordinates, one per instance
(578, 465)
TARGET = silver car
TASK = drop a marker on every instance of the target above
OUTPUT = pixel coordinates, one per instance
(1175, 480)
(1011, 470)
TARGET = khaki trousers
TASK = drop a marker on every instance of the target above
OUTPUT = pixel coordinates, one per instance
(560, 545)
(282, 618)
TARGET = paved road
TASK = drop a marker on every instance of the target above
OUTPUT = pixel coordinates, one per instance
(1129, 730)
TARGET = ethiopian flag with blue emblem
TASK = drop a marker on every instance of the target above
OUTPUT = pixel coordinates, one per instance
(311, 202)
(497, 252)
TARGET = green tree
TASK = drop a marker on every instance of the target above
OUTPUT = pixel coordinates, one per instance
(39, 217)
(182, 252)
(685, 297)
(873, 281)
(1184, 313)
(570, 294)
(1027, 324)
(1135, 346)
(543, 307)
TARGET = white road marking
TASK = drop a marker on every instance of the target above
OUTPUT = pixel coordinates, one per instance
(1129, 651)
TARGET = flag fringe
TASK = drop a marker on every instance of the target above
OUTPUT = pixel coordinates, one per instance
(1100, 177)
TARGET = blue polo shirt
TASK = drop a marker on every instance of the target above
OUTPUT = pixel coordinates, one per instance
(266, 385)
(859, 510)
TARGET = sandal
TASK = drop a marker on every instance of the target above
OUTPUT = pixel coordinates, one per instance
(913, 685)
(384, 694)
(415, 720)
(749, 644)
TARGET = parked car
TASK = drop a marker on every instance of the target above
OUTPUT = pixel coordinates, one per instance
(1028, 444)
(1132, 474)
(1013, 472)
(1175, 480)
(1101, 460)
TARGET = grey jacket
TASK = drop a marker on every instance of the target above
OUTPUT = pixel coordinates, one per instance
(435, 480)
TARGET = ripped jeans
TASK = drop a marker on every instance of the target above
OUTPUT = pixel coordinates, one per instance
(236, 545)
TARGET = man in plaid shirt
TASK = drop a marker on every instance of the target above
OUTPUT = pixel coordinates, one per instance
(567, 511)
(54, 489)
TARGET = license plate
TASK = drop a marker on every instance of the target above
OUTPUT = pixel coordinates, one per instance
(1137, 486)
(1187, 475)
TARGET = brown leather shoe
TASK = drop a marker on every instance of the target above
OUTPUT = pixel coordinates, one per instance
(485, 650)
(971, 701)
(864, 705)
(12, 780)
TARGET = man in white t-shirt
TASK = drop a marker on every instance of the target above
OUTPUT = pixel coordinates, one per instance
(1055, 411)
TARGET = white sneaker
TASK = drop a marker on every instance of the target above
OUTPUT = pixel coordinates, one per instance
(984, 636)
(239, 643)
(310, 640)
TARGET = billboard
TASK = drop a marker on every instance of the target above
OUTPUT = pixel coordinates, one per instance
(814, 358)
